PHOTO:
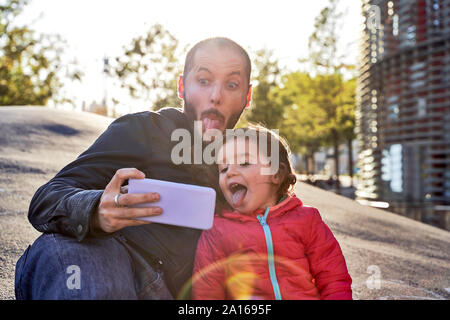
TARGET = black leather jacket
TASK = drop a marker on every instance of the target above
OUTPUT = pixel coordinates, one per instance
(143, 140)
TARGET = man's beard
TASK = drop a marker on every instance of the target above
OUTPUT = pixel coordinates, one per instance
(192, 114)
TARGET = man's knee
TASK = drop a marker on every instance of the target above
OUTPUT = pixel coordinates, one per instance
(59, 267)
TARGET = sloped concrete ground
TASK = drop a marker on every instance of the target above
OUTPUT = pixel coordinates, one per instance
(388, 256)
(35, 143)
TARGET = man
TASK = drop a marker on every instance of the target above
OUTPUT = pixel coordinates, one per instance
(92, 246)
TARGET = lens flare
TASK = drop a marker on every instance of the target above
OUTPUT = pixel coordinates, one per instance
(241, 276)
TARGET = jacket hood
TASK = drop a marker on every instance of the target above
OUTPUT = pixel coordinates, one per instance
(281, 208)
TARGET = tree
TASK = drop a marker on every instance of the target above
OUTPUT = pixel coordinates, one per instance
(303, 122)
(336, 98)
(266, 77)
(30, 64)
(149, 68)
(323, 50)
(327, 64)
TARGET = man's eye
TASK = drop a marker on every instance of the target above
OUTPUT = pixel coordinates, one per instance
(223, 170)
(245, 164)
(203, 81)
(232, 85)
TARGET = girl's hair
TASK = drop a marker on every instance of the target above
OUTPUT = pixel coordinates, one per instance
(285, 169)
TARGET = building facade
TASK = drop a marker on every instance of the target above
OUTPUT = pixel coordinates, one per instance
(403, 107)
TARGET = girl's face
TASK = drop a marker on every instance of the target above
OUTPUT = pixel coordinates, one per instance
(240, 178)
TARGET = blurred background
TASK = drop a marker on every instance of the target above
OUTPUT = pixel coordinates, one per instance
(359, 88)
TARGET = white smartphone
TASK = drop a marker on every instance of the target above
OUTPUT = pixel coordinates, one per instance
(183, 205)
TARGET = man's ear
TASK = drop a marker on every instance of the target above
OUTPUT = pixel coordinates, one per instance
(249, 96)
(181, 87)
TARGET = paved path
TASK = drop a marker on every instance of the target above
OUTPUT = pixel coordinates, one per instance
(388, 256)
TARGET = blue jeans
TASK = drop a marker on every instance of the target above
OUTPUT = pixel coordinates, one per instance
(60, 267)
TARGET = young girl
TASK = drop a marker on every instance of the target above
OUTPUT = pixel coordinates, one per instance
(268, 245)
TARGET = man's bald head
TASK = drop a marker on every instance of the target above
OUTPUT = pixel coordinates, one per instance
(218, 42)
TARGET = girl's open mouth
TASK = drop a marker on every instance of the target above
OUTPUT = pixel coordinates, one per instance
(238, 193)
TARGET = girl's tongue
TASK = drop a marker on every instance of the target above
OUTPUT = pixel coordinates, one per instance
(238, 197)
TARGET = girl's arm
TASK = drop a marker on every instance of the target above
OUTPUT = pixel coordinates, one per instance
(327, 263)
(208, 282)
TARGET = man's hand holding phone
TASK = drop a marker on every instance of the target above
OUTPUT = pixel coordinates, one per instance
(115, 209)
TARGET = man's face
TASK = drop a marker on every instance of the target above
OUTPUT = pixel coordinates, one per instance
(216, 89)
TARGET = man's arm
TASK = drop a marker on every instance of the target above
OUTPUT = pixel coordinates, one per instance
(85, 188)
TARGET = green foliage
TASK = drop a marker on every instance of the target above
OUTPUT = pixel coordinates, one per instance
(313, 106)
(265, 110)
(29, 63)
(149, 68)
(304, 123)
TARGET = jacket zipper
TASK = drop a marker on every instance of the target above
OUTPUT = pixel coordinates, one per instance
(270, 255)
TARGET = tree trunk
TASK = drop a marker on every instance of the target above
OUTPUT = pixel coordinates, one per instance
(336, 160)
(306, 163)
(313, 163)
(310, 168)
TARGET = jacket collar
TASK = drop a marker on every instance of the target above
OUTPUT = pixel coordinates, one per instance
(281, 208)
(178, 117)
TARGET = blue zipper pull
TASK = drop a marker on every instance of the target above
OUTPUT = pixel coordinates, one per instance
(262, 221)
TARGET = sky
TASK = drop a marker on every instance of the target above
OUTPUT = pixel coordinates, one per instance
(94, 29)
